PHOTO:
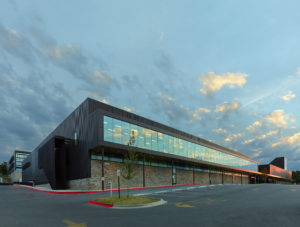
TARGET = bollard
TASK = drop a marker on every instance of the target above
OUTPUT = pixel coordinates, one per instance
(110, 186)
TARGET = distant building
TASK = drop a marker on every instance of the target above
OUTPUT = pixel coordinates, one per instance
(278, 167)
(15, 165)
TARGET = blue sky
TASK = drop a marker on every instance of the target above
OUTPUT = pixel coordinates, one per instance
(227, 71)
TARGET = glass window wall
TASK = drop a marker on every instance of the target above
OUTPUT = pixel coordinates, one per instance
(117, 131)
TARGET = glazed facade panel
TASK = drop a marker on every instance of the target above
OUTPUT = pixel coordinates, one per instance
(119, 132)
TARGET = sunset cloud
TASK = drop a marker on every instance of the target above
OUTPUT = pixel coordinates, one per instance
(290, 141)
(228, 107)
(126, 109)
(279, 119)
(272, 133)
(248, 141)
(203, 110)
(254, 126)
(212, 82)
(233, 137)
(220, 131)
(289, 96)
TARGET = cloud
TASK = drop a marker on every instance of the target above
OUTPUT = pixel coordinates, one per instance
(15, 44)
(202, 110)
(76, 62)
(220, 131)
(254, 126)
(256, 152)
(196, 116)
(264, 136)
(98, 77)
(272, 133)
(248, 141)
(233, 137)
(261, 137)
(227, 107)
(164, 99)
(279, 119)
(169, 107)
(288, 97)
(126, 109)
(104, 101)
(173, 111)
(293, 140)
(212, 82)
(31, 107)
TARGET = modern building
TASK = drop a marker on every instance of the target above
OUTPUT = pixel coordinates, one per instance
(277, 167)
(15, 165)
(87, 149)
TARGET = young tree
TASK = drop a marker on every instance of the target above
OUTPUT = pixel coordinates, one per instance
(130, 158)
(3, 168)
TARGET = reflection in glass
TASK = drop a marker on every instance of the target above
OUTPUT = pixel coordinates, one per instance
(117, 131)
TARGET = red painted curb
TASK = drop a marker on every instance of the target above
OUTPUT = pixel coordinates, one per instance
(100, 204)
(114, 190)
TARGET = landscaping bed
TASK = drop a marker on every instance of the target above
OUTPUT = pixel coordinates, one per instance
(126, 200)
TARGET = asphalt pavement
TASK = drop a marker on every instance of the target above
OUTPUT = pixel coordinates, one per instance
(220, 205)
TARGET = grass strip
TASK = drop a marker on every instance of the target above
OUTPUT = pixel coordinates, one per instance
(126, 200)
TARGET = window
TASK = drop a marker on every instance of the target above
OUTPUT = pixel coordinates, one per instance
(154, 145)
(119, 132)
(107, 127)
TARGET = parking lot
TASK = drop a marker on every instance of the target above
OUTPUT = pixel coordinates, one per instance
(220, 205)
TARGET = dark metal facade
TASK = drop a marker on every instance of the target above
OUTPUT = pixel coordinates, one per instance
(279, 162)
(79, 122)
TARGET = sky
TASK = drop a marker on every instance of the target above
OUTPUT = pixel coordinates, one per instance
(226, 71)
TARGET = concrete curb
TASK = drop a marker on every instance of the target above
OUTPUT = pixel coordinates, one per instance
(74, 192)
(109, 205)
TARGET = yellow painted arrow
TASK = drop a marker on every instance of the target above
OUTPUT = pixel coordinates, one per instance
(74, 224)
(183, 205)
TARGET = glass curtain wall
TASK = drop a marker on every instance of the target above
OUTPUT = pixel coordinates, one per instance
(119, 132)
(19, 159)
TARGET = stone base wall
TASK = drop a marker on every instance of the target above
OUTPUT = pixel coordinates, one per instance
(184, 176)
(16, 176)
(80, 184)
(46, 186)
(236, 179)
(227, 179)
(154, 176)
(201, 177)
(110, 175)
(216, 178)
(245, 180)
